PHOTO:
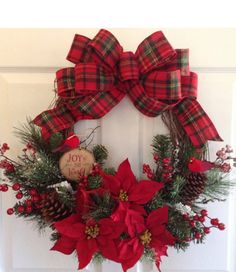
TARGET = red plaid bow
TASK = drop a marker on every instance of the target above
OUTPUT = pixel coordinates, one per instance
(156, 78)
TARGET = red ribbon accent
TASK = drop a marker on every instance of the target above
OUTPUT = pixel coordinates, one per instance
(156, 78)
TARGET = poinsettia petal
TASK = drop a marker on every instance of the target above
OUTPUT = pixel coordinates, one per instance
(157, 218)
(110, 229)
(144, 191)
(109, 250)
(64, 245)
(76, 231)
(138, 208)
(61, 226)
(85, 250)
(120, 212)
(166, 238)
(126, 176)
(111, 183)
(159, 253)
(134, 222)
(131, 253)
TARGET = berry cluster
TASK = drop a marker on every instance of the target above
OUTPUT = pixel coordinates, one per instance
(147, 170)
(84, 181)
(198, 226)
(167, 169)
(4, 148)
(6, 163)
(223, 158)
(31, 199)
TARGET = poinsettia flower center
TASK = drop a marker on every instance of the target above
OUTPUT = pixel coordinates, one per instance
(146, 237)
(92, 231)
(123, 196)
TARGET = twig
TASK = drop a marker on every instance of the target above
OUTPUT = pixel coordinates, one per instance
(205, 201)
(14, 162)
(91, 133)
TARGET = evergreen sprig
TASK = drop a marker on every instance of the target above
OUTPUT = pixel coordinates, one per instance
(30, 133)
(102, 206)
(100, 153)
(217, 186)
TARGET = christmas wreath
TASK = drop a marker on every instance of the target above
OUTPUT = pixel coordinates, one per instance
(61, 180)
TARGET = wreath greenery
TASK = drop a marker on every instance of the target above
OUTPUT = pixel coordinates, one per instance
(46, 197)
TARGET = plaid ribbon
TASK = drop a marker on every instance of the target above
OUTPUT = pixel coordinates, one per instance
(156, 78)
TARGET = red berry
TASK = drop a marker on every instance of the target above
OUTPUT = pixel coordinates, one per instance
(43, 196)
(19, 195)
(10, 168)
(204, 212)
(214, 221)
(188, 239)
(28, 202)
(166, 161)
(33, 192)
(150, 175)
(21, 209)
(155, 157)
(195, 217)
(197, 235)
(16, 186)
(5, 147)
(29, 209)
(4, 187)
(206, 230)
(10, 211)
(186, 217)
(192, 223)
(201, 219)
(221, 226)
(37, 206)
(35, 198)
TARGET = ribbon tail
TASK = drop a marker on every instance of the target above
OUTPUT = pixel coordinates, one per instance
(54, 120)
(196, 123)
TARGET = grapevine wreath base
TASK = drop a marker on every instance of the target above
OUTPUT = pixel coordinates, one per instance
(62, 182)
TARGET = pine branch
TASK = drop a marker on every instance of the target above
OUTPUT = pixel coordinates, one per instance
(162, 146)
(217, 185)
(179, 228)
(100, 153)
(110, 171)
(177, 186)
(30, 133)
(102, 206)
(94, 182)
(155, 203)
(44, 171)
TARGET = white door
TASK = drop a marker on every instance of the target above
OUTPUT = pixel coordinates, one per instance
(28, 61)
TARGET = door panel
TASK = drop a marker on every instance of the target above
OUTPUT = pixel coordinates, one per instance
(28, 61)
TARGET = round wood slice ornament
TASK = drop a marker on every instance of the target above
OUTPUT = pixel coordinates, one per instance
(76, 163)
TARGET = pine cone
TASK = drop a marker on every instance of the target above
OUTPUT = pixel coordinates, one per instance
(194, 187)
(52, 209)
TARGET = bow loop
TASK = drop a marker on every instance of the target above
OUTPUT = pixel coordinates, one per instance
(92, 78)
(163, 85)
(78, 49)
(128, 68)
(65, 79)
(154, 52)
(105, 48)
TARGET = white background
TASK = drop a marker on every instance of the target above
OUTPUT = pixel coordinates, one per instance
(28, 61)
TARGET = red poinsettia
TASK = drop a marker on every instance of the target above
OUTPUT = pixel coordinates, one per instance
(150, 233)
(88, 238)
(126, 189)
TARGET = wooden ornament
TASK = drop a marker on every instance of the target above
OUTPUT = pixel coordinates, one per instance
(76, 163)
